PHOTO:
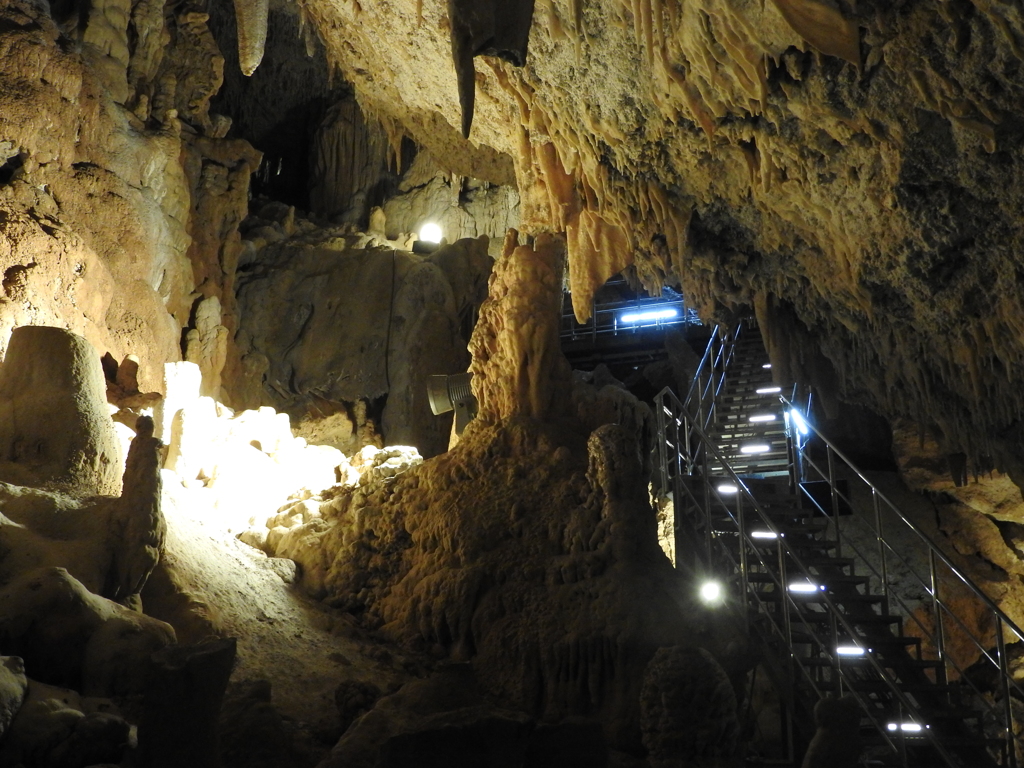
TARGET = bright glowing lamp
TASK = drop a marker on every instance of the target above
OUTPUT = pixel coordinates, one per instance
(763, 535)
(768, 390)
(755, 448)
(759, 417)
(654, 314)
(798, 421)
(431, 233)
(711, 592)
(906, 727)
(804, 587)
(850, 650)
(727, 488)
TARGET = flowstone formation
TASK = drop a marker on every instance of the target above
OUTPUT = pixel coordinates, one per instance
(528, 551)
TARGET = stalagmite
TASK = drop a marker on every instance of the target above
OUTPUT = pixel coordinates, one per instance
(251, 20)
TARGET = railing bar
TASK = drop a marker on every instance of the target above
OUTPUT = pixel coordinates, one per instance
(782, 545)
(923, 536)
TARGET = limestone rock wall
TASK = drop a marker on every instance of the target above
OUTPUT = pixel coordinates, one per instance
(856, 163)
(339, 329)
(113, 185)
(462, 207)
(528, 550)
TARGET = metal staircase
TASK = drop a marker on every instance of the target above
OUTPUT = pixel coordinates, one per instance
(808, 545)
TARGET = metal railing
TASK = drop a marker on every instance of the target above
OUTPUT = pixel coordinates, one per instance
(701, 404)
(685, 465)
(753, 555)
(606, 318)
(945, 614)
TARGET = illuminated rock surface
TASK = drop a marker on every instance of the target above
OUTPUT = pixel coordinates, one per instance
(849, 172)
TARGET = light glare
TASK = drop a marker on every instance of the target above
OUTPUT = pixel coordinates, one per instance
(804, 587)
(768, 390)
(766, 366)
(728, 488)
(431, 233)
(763, 535)
(905, 727)
(755, 448)
(656, 314)
(710, 591)
(763, 417)
(798, 421)
(850, 650)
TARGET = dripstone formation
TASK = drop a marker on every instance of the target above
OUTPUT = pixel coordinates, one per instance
(225, 507)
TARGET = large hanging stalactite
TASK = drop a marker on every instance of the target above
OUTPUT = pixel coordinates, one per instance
(251, 19)
(490, 28)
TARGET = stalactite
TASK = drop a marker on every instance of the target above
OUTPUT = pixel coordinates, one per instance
(251, 20)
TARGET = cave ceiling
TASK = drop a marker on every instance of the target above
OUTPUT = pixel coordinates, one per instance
(851, 170)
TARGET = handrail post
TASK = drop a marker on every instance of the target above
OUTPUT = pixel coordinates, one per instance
(940, 640)
(659, 404)
(881, 549)
(838, 681)
(784, 597)
(835, 497)
(707, 506)
(744, 577)
(1004, 674)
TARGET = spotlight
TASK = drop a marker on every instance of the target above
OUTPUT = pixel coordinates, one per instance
(768, 390)
(727, 488)
(711, 592)
(447, 393)
(431, 233)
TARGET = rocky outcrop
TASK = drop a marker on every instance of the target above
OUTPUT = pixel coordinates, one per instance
(54, 426)
(109, 193)
(837, 739)
(529, 549)
(329, 323)
(461, 207)
(688, 710)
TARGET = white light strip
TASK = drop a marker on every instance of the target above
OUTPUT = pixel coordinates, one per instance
(755, 448)
(850, 650)
(763, 535)
(906, 727)
(657, 314)
(766, 366)
(728, 488)
(804, 587)
(768, 390)
(763, 417)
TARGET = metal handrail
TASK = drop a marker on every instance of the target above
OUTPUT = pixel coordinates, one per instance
(692, 417)
(1002, 622)
(781, 581)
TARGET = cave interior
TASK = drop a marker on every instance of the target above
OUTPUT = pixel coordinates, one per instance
(738, 287)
